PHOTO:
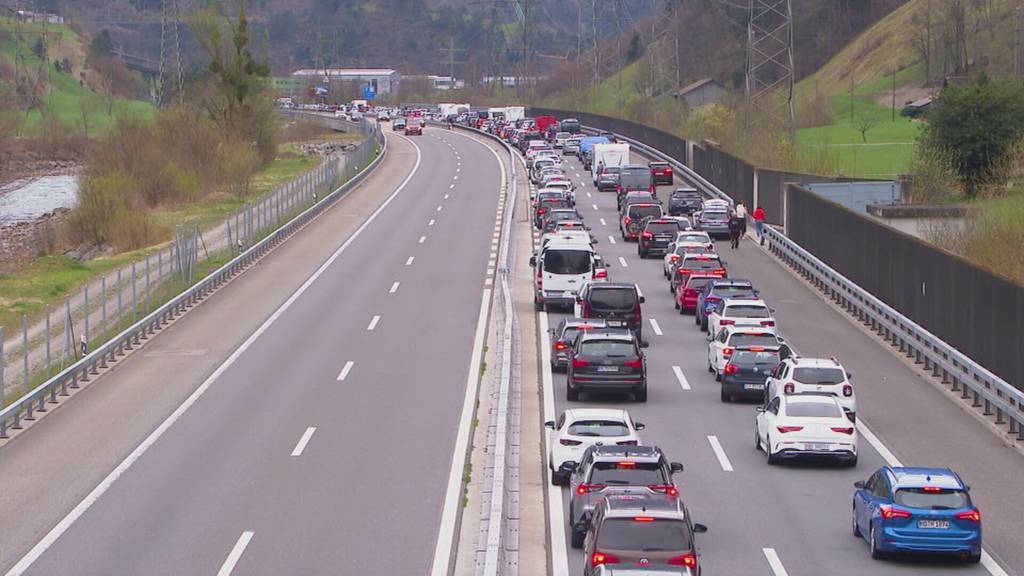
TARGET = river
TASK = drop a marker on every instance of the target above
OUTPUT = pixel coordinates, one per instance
(28, 199)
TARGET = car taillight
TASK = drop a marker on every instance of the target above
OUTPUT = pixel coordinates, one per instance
(627, 220)
(567, 442)
(767, 322)
(648, 235)
(561, 345)
(847, 390)
(628, 443)
(634, 363)
(847, 431)
(970, 515)
(788, 389)
(587, 488)
(731, 369)
(603, 558)
(726, 322)
(674, 258)
(577, 363)
(786, 429)
(889, 511)
(727, 351)
(541, 210)
(712, 299)
(669, 489)
(600, 273)
(689, 560)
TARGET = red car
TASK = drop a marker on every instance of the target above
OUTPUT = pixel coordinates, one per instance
(414, 127)
(661, 173)
(706, 264)
(686, 299)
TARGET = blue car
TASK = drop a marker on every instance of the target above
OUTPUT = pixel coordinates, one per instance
(716, 291)
(917, 510)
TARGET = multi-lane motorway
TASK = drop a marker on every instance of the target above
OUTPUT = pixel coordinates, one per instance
(320, 439)
(794, 518)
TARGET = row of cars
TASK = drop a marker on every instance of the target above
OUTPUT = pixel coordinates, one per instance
(624, 508)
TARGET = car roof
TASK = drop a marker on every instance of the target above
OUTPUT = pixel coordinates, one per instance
(701, 256)
(748, 329)
(617, 334)
(815, 362)
(920, 477)
(746, 301)
(611, 285)
(733, 282)
(582, 413)
(613, 452)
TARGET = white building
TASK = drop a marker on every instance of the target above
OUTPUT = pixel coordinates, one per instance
(385, 80)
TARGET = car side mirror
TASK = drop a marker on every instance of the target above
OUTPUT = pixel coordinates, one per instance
(699, 529)
(759, 409)
(675, 467)
(967, 488)
(644, 343)
(639, 426)
(642, 299)
(848, 375)
(550, 424)
(859, 484)
(533, 261)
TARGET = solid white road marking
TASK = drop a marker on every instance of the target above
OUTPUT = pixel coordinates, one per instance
(720, 453)
(656, 327)
(57, 531)
(373, 323)
(423, 238)
(408, 261)
(623, 263)
(603, 223)
(345, 370)
(681, 377)
(394, 287)
(488, 281)
(556, 512)
(301, 445)
(611, 239)
(773, 560)
(236, 554)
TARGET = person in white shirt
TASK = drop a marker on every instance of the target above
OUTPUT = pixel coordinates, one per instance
(741, 213)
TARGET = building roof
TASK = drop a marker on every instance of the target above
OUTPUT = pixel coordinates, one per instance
(921, 102)
(694, 86)
(343, 72)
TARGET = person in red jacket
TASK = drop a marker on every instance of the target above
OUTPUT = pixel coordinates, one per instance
(759, 223)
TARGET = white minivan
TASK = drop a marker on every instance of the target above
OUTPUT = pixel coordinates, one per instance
(562, 267)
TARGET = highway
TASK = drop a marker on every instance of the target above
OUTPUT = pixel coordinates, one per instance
(318, 435)
(795, 518)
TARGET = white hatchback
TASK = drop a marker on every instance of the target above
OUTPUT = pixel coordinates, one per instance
(580, 428)
(741, 312)
(822, 375)
(802, 425)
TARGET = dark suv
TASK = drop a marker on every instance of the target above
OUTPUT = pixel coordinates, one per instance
(607, 470)
(684, 201)
(608, 360)
(647, 532)
(617, 302)
(745, 373)
(657, 235)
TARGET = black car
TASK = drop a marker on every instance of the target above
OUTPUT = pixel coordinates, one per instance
(552, 217)
(544, 206)
(609, 360)
(718, 291)
(563, 337)
(684, 201)
(656, 236)
(571, 125)
(745, 374)
(635, 177)
(617, 302)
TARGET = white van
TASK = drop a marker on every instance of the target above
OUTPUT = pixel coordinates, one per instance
(562, 267)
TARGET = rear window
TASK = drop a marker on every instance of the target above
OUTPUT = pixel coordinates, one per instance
(746, 311)
(608, 348)
(567, 261)
(639, 177)
(658, 164)
(555, 203)
(818, 375)
(569, 334)
(558, 215)
(663, 227)
(610, 170)
(759, 359)
(598, 428)
(697, 282)
(715, 215)
(702, 264)
(733, 291)
(740, 340)
(932, 499)
(686, 194)
(627, 473)
(646, 536)
(813, 410)
(562, 135)
(641, 212)
(691, 238)
(613, 298)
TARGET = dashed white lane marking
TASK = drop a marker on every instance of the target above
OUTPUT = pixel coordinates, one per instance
(431, 223)
(494, 255)
(439, 208)
(408, 261)
(446, 196)
(611, 239)
(456, 177)
(423, 238)
(394, 287)
(603, 223)
(451, 186)
(773, 561)
(578, 175)
(589, 195)
(656, 327)
(236, 554)
(458, 169)
(723, 460)
(491, 263)
(622, 262)
(301, 445)
(683, 382)
(345, 370)
(595, 207)
(373, 323)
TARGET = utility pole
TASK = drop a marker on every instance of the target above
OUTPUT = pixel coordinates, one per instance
(770, 61)
(894, 92)
(1017, 15)
(451, 51)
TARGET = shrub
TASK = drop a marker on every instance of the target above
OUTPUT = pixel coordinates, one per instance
(106, 214)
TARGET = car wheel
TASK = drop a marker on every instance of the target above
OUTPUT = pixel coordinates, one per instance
(704, 325)
(725, 397)
(875, 552)
(681, 311)
(577, 538)
(557, 479)
(856, 528)
(624, 239)
(852, 463)
(641, 395)
(570, 394)
(772, 458)
(973, 558)
(718, 377)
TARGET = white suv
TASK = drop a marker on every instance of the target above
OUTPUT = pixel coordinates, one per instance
(815, 375)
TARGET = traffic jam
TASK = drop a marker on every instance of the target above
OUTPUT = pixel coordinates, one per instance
(626, 506)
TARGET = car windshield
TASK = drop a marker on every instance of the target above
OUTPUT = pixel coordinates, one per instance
(750, 358)
(613, 298)
(644, 535)
(663, 227)
(702, 264)
(627, 473)
(746, 311)
(562, 135)
(641, 212)
(567, 261)
(608, 348)
(931, 499)
(659, 165)
(741, 340)
(598, 428)
(818, 375)
(813, 410)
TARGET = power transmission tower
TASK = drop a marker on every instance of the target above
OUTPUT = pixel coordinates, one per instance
(770, 61)
(451, 51)
(171, 68)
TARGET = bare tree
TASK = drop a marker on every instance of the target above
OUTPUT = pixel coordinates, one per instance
(922, 37)
(955, 36)
(864, 123)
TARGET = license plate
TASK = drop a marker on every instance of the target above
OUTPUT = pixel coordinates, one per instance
(568, 294)
(816, 446)
(753, 386)
(933, 524)
(607, 368)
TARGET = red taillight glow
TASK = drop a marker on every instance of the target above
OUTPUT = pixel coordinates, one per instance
(634, 363)
(602, 558)
(541, 210)
(561, 345)
(643, 518)
(585, 488)
(626, 464)
(647, 234)
(932, 489)
(889, 512)
(971, 515)
(627, 220)
(731, 369)
(727, 351)
(669, 489)
(579, 363)
(674, 258)
(788, 389)
(847, 390)
(726, 322)
(600, 273)
(567, 442)
(787, 429)
(768, 323)
(847, 431)
(689, 560)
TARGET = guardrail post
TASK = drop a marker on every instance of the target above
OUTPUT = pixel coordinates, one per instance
(24, 347)
(86, 315)
(49, 362)
(3, 370)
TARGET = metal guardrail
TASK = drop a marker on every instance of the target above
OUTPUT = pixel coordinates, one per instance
(975, 383)
(36, 400)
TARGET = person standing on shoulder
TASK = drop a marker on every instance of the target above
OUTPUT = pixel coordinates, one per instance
(759, 223)
(735, 230)
(741, 213)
